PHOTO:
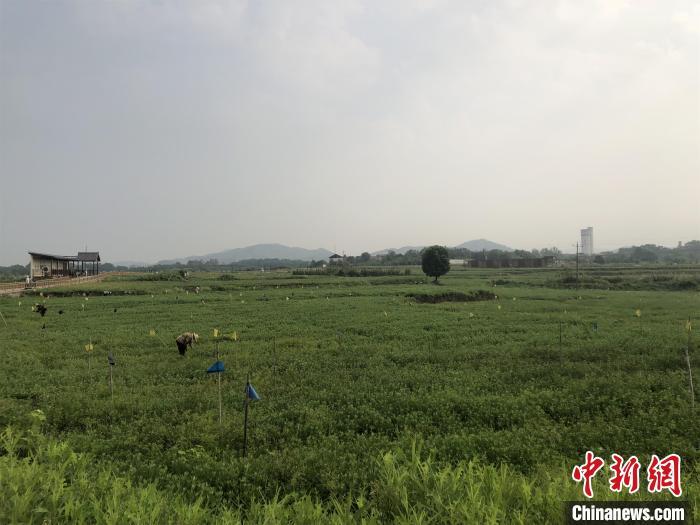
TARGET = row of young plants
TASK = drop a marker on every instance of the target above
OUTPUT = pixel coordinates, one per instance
(44, 481)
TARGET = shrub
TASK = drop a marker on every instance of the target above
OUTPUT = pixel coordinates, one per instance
(457, 297)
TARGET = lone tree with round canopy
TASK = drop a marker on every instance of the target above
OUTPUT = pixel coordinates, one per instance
(435, 261)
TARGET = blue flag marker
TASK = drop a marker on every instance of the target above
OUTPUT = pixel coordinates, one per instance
(216, 368)
(252, 394)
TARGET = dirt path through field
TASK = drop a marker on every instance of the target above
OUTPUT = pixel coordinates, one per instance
(18, 287)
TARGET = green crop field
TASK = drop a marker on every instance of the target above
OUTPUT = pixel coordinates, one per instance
(375, 407)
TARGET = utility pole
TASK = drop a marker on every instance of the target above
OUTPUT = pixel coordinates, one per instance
(577, 277)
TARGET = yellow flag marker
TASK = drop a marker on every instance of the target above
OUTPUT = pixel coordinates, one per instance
(216, 332)
(499, 306)
(688, 326)
(287, 298)
(235, 336)
(471, 314)
(86, 298)
(152, 332)
(638, 312)
(386, 314)
(89, 347)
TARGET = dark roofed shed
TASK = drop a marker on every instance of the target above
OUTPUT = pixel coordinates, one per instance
(89, 256)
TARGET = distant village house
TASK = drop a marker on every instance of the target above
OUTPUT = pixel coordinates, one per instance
(502, 262)
(336, 259)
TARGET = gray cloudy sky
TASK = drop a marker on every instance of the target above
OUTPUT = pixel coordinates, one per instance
(157, 129)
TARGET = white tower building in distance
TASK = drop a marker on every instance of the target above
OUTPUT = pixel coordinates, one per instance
(587, 241)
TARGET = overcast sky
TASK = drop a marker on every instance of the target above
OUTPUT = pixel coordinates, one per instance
(149, 130)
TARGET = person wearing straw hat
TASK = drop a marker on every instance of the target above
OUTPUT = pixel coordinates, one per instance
(185, 340)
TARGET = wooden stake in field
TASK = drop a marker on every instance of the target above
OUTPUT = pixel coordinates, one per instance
(274, 356)
(689, 328)
(152, 333)
(218, 376)
(218, 380)
(218, 368)
(111, 362)
(638, 314)
(560, 334)
(250, 395)
(89, 348)
(245, 416)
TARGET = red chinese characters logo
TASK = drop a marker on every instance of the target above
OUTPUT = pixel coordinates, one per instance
(662, 474)
(665, 474)
(625, 474)
(587, 471)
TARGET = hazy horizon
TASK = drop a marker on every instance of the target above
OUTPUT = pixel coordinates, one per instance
(153, 131)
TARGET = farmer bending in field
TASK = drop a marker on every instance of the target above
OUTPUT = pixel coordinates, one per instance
(185, 340)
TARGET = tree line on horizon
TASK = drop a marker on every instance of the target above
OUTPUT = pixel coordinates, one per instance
(688, 253)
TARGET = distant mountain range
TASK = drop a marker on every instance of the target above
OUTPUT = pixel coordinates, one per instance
(476, 245)
(257, 251)
(401, 250)
(294, 253)
(131, 264)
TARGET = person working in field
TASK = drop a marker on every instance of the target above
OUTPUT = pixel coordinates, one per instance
(185, 340)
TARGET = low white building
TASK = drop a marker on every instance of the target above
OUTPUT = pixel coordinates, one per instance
(44, 265)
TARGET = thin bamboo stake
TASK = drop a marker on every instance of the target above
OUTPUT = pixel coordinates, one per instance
(274, 356)
(220, 408)
(245, 416)
(560, 335)
(690, 370)
(219, 381)
(111, 363)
